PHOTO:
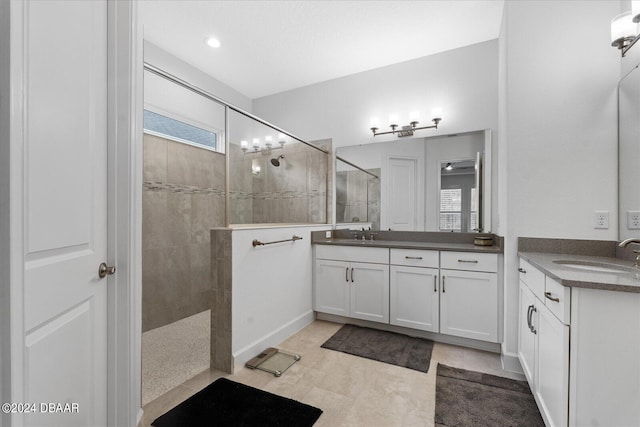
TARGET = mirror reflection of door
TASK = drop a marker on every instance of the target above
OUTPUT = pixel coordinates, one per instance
(458, 201)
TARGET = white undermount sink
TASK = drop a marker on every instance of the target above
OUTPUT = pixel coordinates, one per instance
(600, 267)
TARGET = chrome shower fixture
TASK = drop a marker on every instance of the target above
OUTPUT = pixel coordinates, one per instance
(276, 162)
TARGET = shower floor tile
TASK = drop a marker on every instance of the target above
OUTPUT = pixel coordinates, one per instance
(174, 353)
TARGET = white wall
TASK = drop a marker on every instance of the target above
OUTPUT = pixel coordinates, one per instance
(463, 82)
(5, 226)
(272, 293)
(560, 133)
(169, 63)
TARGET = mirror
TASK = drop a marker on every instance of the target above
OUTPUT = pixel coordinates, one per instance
(629, 154)
(415, 193)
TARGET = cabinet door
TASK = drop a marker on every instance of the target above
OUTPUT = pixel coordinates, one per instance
(526, 338)
(369, 291)
(332, 287)
(469, 304)
(552, 368)
(414, 297)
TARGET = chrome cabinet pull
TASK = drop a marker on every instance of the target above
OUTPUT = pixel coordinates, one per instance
(472, 261)
(522, 270)
(104, 270)
(435, 283)
(413, 257)
(548, 296)
(352, 275)
(443, 291)
(529, 313)
(533, 310)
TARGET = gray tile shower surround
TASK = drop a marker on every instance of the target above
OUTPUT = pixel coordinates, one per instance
(294, 192)
(182, 199)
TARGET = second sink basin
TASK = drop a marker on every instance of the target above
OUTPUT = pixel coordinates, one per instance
(600, 267)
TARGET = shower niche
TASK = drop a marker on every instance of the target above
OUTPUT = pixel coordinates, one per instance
(274, 178)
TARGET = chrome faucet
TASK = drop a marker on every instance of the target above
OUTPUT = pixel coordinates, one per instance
(624, 244)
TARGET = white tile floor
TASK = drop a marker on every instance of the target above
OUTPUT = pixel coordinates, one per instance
(352, 391)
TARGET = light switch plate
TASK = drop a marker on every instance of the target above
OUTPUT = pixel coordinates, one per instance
(327, 234)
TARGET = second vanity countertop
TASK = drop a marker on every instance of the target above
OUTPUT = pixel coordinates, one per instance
(576, 277)
(397, 244)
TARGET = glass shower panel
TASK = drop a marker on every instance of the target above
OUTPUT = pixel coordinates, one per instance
(273, 178)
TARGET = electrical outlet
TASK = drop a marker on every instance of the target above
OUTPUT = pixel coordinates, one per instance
(601, 219)
(327, 234)
(633, 220)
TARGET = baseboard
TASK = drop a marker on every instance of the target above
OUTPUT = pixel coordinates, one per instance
(445, 339)
(511, 363)
(139, 418)
(245, 354)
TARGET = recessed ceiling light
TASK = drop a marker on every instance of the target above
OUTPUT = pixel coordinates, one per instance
(213, 42)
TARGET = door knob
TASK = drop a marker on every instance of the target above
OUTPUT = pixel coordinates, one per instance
(104, 270)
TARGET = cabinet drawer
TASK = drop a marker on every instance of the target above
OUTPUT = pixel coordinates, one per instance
(350, 253)
(414, 258)
(557, 298)
(533, 278)
(471, 261)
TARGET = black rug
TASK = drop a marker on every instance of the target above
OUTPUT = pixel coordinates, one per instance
(228, 403)
(383, 346)
(468, 398)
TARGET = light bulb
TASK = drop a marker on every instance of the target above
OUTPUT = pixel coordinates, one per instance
(414, 116)
(622, 26)
(393, 120)
(436, 113)
(213, 42)
(374, 122)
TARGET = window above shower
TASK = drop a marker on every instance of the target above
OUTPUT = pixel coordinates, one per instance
(174, 112)
(179, 131)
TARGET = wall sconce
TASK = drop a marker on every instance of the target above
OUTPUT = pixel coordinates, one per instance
(624, 28)
(409, 129)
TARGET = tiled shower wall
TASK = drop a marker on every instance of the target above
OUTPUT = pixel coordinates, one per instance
(183, 198)
(294, 192)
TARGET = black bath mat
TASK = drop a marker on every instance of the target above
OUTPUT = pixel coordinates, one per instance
(228, 403)
(467, 398)
(383, 346)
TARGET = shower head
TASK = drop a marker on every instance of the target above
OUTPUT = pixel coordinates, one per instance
(276, 162)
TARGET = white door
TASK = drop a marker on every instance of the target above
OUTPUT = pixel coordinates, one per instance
(369, 296)
(65, 206)
(331, 287)
(527, 320)
(552, 368)
(414, 301)
(469, 304)
(400, 212)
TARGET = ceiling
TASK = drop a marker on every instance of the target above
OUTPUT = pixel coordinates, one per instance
(275, 46)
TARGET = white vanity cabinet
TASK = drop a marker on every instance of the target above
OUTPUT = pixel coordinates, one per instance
(469, 295)
(352, 282)
(414, 289)
(543, 342)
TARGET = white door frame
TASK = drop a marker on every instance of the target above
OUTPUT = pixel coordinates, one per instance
(124, 159)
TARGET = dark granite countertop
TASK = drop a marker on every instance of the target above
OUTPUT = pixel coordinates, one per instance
(398, 244)
(572, 276)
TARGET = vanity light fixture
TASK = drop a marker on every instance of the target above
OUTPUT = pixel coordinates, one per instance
(624, 28)
(268, 144)
(409, 129)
